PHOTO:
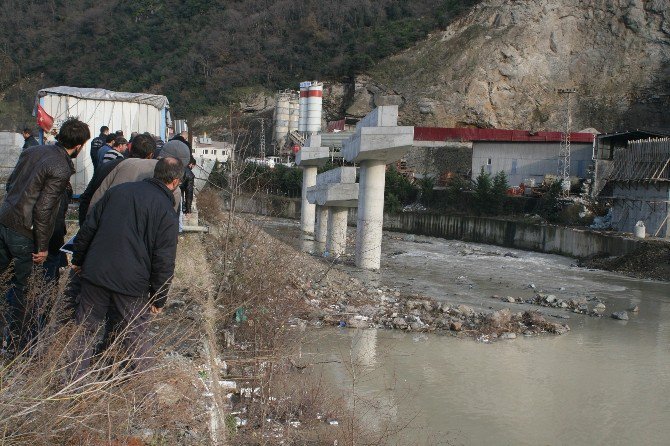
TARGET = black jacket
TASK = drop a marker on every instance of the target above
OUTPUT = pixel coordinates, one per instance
(34, 192)
(187, 189)
(96, 143)
(30, 142)
(128, 243)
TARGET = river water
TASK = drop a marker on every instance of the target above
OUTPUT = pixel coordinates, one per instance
(605, 382)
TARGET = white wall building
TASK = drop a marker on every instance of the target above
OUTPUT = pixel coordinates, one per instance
(204, 147)
(523, 161)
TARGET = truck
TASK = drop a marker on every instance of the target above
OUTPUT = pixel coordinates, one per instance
(128, 112)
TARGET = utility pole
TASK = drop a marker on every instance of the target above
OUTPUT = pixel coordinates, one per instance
(262, 142)
(564, 151)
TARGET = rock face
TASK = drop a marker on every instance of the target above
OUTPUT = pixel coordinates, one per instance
(500, 66)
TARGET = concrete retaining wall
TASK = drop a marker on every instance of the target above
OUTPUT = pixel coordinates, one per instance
(528, 236)
(544, 238)
(10, 149)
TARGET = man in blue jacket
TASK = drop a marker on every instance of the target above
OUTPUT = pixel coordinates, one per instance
(133, 227)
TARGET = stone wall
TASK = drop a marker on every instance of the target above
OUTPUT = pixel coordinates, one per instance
(10, 149)
(433, 162)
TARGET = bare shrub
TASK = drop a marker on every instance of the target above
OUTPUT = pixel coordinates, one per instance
(44, 402)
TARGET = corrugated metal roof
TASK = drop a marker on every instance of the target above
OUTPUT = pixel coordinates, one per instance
(500, 135)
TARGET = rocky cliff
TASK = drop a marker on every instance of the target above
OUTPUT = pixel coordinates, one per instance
(501, 64)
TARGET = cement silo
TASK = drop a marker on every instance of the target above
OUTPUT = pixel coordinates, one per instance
(282, 116)
(314, 107)
(302, 123)
(294, 113)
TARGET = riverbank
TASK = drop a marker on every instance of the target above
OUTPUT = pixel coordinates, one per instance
(605, 250)
(270, 295)
(651, 260)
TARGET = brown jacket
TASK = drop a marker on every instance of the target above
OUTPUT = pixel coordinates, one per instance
(34, 192)
(128, 171)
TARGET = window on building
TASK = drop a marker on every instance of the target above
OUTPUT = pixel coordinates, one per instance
(206, 152)
(213, 151)
(514, 164)
(488, 161)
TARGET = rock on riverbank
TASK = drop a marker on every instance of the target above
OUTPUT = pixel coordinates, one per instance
(354, 305)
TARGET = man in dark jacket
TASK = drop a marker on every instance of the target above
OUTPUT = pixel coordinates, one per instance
(133, 227)
(109, 143)
(187, 185)
(30, 209)
(28, 139)
(97, 144)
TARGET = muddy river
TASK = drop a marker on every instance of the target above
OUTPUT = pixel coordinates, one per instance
(605, 382)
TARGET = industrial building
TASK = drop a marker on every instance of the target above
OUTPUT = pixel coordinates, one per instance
(297, 115)
(606, 144)
(640, 185)
(522, 155)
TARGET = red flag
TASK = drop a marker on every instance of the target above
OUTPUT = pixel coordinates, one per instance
(45, 121)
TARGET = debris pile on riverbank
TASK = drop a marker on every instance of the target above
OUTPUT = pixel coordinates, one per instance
(351, 304)
(574, 305)
(650, 261)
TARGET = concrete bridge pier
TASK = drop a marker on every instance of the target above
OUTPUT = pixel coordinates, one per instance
(321, 232)
(370, 214)
(335, 192)
(378, 140)
(307, 210)
(336, 243)
(309, 158)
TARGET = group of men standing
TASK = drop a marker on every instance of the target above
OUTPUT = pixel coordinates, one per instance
(124, 253)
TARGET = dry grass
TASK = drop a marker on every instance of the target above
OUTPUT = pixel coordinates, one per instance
(44, 402)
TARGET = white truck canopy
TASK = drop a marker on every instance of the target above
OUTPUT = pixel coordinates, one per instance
(100, 94)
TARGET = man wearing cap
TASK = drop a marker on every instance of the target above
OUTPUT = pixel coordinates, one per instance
(109, 143)
(118, 150)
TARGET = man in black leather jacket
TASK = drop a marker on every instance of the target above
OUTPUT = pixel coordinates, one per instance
(29, 211)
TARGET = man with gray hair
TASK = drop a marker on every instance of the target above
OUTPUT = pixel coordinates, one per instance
(133, 227)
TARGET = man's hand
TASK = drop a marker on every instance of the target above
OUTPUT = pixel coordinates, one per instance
(155, 310)
(40, 257)
(76, 269)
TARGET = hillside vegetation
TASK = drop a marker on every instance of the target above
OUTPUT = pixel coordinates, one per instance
(200, 53)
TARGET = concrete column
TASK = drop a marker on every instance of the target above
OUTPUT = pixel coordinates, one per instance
(370, 214)
(321, 224)
(336, 243)
(307, 211)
